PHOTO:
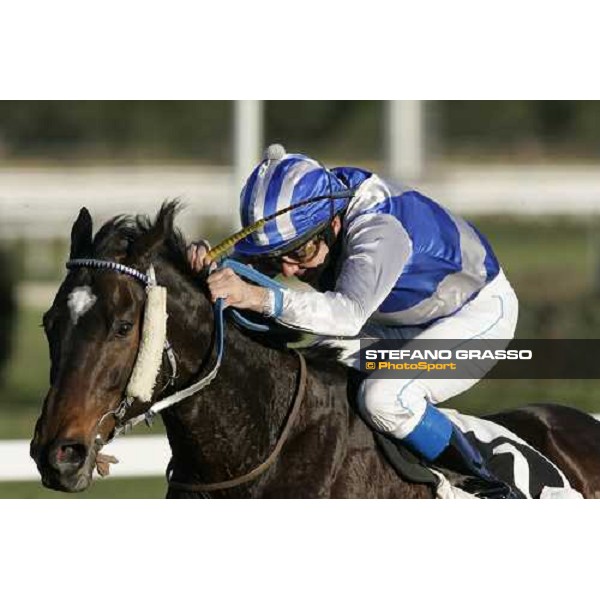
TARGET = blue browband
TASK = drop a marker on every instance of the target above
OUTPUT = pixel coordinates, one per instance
(96, 263)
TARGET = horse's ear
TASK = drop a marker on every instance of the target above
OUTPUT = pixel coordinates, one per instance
(81, 235)
(144, 248)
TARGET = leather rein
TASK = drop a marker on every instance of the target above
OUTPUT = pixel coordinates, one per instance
(124, 425)
(270, 460)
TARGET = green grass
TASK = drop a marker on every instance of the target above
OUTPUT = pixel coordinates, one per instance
(535, 252)
(134, 487)
(549, 263)
(26, 377)
(492, 395)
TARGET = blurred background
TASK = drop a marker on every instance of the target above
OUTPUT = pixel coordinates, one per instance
(525, 172)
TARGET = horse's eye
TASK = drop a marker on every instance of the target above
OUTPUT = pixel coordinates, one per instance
(124, 328)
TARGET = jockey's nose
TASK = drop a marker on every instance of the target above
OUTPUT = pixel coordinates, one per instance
(289, 270)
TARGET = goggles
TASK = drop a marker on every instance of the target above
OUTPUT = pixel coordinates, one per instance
(299, 256)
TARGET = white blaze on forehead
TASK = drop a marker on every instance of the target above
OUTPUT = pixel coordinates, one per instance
(81, 299)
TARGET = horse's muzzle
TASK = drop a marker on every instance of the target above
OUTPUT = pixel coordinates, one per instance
(65, 465)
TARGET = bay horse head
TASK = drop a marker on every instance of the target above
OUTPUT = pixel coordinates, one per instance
(93, 330)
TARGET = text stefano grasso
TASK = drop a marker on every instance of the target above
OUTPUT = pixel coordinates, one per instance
(457, 354)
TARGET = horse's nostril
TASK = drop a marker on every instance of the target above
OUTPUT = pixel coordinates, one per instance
(66, 455)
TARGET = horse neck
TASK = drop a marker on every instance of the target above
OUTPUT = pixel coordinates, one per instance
(229, 427)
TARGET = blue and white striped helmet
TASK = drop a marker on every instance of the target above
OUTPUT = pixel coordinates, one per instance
(282, 180)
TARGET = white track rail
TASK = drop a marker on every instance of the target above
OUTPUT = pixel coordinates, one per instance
(139, 456)
(43, 202)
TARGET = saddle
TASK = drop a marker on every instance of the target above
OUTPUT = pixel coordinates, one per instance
(408, 466)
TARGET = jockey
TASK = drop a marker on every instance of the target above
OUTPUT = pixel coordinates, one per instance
(388, 263)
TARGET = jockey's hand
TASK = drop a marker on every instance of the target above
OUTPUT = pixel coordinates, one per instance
(224, 283)
(197, 255)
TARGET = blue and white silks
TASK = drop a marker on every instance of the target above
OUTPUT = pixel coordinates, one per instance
(405, 260)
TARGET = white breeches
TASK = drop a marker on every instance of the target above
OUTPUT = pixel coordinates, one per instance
(395, 406)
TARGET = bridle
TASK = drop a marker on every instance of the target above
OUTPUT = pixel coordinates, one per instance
(124, 425)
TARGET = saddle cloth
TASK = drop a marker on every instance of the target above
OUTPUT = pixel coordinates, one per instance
(508, 456)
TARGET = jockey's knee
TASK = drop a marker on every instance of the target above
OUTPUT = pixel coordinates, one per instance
(392, 406)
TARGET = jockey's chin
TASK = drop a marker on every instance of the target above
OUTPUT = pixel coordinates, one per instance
(310, 271)
(312, 275)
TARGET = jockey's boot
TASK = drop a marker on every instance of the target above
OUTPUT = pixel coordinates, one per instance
(442, 444)
(462, 456)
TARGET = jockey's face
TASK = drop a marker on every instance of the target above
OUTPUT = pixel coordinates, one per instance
(291, 266)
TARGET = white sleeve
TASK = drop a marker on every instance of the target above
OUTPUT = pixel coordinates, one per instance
(377, 249)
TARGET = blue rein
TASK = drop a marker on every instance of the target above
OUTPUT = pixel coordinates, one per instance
(252, 275)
